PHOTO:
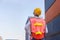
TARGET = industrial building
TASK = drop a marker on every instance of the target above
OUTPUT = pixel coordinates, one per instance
(52, 13)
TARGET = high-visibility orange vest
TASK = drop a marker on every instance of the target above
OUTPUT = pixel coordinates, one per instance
(37, 27)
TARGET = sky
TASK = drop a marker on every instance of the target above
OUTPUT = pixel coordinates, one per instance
(13, 15)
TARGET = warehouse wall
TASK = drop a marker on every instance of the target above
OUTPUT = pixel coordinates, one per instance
(53, 19)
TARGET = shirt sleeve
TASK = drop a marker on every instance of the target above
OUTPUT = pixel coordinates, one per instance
(46, 29)
(27, 27)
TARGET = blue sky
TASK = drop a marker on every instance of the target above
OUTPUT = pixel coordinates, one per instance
(13, 15)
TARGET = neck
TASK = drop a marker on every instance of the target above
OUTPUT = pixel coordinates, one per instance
(36, 15)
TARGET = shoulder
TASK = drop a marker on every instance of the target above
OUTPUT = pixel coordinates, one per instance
(28, 19)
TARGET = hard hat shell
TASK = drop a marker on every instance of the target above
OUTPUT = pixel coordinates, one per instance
(37, 11)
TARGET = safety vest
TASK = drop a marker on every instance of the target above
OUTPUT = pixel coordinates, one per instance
(37, 27)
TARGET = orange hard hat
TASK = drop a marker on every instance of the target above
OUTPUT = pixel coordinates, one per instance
(37, 11)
